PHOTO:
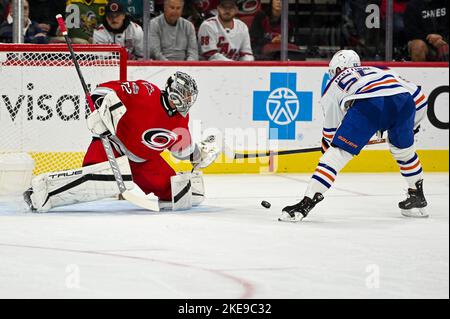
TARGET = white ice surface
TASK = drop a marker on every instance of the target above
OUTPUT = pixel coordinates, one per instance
(355, 244)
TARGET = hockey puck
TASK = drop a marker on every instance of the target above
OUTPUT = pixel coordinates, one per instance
(265, 204)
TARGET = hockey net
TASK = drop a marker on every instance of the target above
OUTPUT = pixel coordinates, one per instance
(42, 103)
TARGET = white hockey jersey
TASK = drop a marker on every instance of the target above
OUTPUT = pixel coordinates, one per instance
(217, 43)
(132, 38)
(361, 83)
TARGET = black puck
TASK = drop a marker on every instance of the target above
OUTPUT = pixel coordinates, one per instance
(265, 204)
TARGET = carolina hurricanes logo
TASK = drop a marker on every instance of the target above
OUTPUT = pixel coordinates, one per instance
(159, 139)
(248, 6)
(114, 7)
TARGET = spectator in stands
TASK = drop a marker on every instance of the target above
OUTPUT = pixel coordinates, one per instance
(223, 37)
(354, 26)
(134, 10)
(44, 12)
(32, 32)
(399, 7)
(4, 8)
(265, 31)
(82, 18)
(117, 28)
(427, 29)
(197, 11)
(172, 37)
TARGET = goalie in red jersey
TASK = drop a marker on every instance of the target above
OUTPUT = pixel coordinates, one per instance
(141, 121)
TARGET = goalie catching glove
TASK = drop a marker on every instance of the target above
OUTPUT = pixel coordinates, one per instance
(205, 153)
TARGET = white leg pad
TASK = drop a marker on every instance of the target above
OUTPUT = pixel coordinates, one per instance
(85, 184)
(198, 188)
(181, 191)
(188, 189)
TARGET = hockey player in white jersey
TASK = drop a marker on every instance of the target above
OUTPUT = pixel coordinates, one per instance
(224, 38)
(357, 103)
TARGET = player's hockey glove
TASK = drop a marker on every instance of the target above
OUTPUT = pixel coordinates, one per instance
(205, 153)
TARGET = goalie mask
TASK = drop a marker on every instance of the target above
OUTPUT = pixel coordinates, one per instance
(342, 60)
(182, 92)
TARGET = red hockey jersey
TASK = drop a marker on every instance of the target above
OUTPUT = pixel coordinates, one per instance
(148, 127)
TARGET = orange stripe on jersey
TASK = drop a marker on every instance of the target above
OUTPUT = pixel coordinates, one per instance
(410, 167)
(326, 174)
(379, 83)
(329, 136)
(420, 99)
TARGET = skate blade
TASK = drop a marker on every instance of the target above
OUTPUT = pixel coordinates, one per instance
(415, 213)
(288, 219)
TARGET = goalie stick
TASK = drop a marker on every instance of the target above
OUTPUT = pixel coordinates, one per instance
(290, 152)
(138, 200)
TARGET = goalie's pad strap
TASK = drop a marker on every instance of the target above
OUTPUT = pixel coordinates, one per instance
(182, 193)
(86, 178)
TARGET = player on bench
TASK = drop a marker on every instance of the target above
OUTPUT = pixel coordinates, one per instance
(141, 121)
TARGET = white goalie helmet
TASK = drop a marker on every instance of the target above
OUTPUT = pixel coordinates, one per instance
(341, 60)
(182, 92)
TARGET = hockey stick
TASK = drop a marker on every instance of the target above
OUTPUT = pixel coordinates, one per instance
(290, 152)
(136, 199)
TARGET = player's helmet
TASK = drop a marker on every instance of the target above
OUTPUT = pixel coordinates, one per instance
(341, 60)
(182, 91)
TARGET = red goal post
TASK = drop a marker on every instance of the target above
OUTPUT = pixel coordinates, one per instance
(42, 104)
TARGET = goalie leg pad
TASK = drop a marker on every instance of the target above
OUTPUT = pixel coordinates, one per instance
(198, 188)
(188, 190)
(181, 191)
(85, 184)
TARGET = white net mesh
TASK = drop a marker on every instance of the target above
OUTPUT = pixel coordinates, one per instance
(42, 103)
(41, 59)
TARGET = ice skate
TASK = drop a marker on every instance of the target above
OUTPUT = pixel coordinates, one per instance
(297, 212)
(414, 205)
